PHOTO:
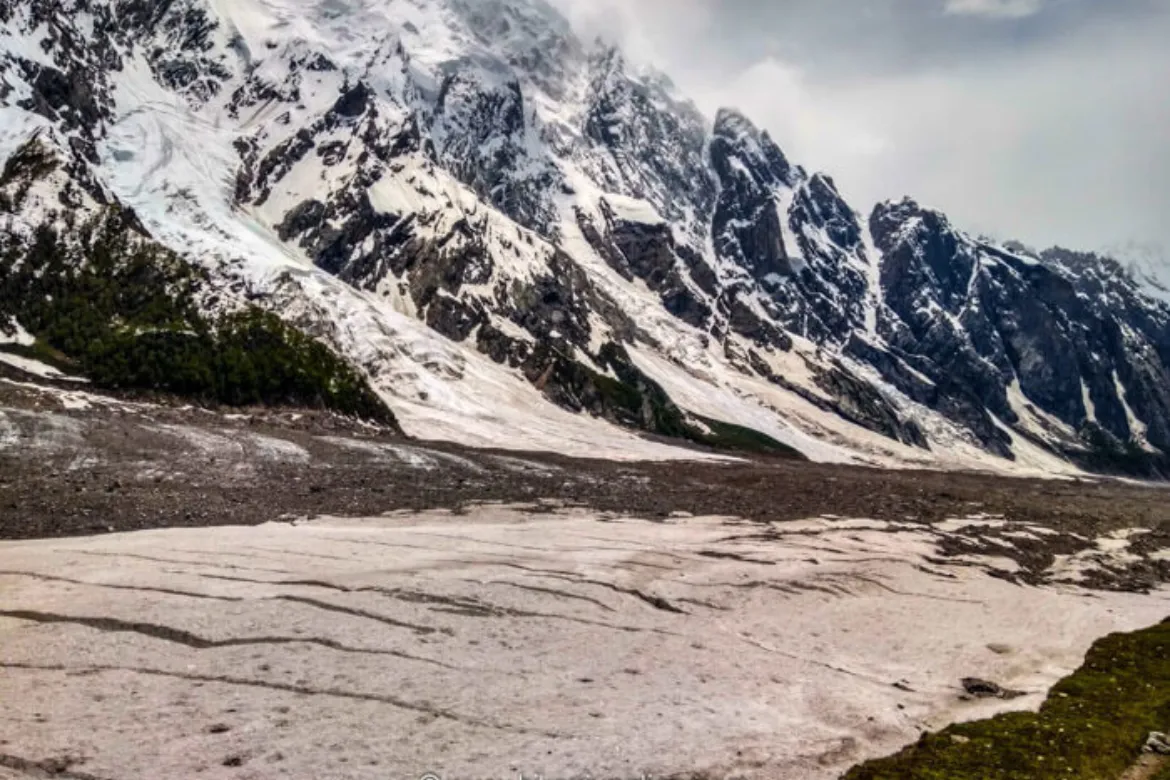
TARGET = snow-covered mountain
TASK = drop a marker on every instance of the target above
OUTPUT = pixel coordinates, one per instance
(526, 241)
(1148, 263)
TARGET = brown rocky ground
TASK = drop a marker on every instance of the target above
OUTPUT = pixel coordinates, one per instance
(125, 465)
(527, 612)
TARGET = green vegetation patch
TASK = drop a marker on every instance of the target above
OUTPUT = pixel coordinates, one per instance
(122, 311)
(1093, 726)
(1107, 455)
(633, 399)
(736, 438)
(663, 417)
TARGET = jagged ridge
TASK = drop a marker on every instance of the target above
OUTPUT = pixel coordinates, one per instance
(542, 205)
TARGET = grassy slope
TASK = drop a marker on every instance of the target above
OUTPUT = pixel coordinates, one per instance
(120, 310)
(1092, 727)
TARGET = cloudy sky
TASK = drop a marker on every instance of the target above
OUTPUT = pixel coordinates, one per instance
(1046, 120)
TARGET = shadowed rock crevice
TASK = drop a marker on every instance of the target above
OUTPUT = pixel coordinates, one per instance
(729, 556)
(457, 606)
(476, 608)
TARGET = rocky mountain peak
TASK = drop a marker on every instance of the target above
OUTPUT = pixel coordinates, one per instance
(736, 138)
(475, 206)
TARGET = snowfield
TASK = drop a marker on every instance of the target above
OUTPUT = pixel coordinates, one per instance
(499, 642)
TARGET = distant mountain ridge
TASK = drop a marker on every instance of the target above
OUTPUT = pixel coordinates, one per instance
(522, 240)
(1149, 263)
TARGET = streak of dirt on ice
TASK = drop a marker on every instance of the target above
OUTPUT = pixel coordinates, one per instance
(495, 641)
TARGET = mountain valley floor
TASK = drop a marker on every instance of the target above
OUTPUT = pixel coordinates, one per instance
(283, 594)
(74, 463)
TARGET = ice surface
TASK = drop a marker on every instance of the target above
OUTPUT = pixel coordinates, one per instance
(499, 642)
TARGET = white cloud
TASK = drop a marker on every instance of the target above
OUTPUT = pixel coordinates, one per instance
(648, 30)
(1050, 129)
(998, 9)
(1047, 147)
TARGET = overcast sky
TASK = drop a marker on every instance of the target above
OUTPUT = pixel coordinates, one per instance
(1043, 120)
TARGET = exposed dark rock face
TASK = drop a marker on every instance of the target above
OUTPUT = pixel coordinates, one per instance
(184, 57)
(747, 224)
(822, 206)
(1134, 331)
(503, 348)
(332, 233)
(646, 143)
(793, 235)
(751, 322)
(481, 133)
(632, 399)
(648, 251)
(67, 97)
(353, 102)
(858, 401)
(453, 318)
(853, 399)
(1071, 331)
(983, 689)
(554, 307)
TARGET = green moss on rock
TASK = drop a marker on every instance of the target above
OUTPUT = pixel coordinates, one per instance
(630, 398)
(1093, 726)
(729, 437)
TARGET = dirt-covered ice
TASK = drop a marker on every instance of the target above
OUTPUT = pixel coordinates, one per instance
(500, 642)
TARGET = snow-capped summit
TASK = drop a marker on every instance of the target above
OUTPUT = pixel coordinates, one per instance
(525, 241)
(1148, 263)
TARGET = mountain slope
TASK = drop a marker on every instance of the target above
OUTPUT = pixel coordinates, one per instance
(525, 241)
